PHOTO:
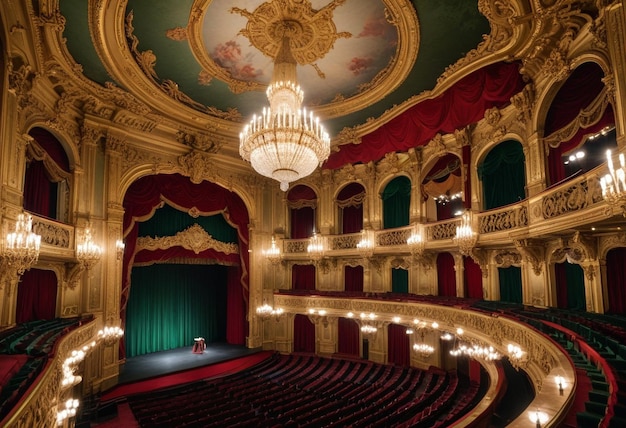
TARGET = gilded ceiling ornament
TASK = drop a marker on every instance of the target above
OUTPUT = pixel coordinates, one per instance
(312, 32)
(178, 34)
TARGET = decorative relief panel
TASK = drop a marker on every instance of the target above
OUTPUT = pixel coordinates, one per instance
(575, 197)
(504, 220)
(392, 237)
(194, 238)
(441, 231)
(53, 234)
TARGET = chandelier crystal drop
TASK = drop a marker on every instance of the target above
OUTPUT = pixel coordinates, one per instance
(88, 253)
(21, 247)
(285, 142)
(465, 237)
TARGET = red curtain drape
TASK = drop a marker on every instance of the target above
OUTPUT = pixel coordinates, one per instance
(303, 334)
(348, 337)
(37, 189)
(615, 280)
(52, 146)
(235, 308)
(556, 169)
(560, 279)
(473, 276)
(353, 278)
(398, 347)
(352, 215)
(36, 296)
(303, 277)
(446, 276)
(462, 104)
(302, 212)
(145, 195)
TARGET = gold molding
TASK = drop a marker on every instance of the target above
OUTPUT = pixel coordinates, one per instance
(194, 238)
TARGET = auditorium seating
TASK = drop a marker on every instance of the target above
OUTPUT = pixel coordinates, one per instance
(29, 346)
(311, 391)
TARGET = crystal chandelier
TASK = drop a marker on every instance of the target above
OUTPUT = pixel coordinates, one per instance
(465, 237)
(110, 335)
(273, 253)
(477, 352)
(285, 142)
(266, 312)
(21, 248)
(423, 350)
(88, 253)
(614, 183)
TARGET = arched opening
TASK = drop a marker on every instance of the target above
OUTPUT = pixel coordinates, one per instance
(615, 280)
(348, 337)
(510, 279)
(350, 206)
(502, 175)
(302, 202)
(396, 203)
(194, 239)
(570, 286)
(303, 277)
(303, 334)
(398, 347)
(443, 187)
(472, 278)
(353, 279)
(36, 296)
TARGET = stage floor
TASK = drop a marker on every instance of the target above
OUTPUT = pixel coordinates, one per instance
(175, 360)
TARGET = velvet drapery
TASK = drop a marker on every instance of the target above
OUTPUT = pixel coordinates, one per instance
(462, 104)
(510, 284)
(303, 277)
(615, 280)
(399, 280)
(348, 337)
(145, 195)
(398, 347)
(473, 278)
(570, 286)
(502, 174)
(353, 278)
(303, 334)
(39, 191)
(351, 210)
(172, 304)
(396, 202)
(302, 201)
(36, 296)
(446, 275)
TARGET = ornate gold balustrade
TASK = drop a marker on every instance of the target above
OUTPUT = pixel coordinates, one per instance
(39, 408)
(57, 239)
(543, 359)
(570, 204)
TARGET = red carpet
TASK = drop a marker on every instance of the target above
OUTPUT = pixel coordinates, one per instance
(223, 368)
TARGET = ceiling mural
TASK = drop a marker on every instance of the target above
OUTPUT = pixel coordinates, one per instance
(357, 59)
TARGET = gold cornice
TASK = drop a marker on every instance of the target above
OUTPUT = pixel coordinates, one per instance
(194, 238)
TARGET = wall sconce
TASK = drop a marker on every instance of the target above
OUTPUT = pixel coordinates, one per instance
(88, 253)
(316, 247)
(538, 418)
(110, 335)
(20, 249)
(273, 254)
(560, 383)
(614, 183)
(416, 242)
(266, 312)
(366, 245)
(119, 249)
(465, 237)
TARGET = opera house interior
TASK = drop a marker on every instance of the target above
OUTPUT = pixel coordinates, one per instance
(409, 213)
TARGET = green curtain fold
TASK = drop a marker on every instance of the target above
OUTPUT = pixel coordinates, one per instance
(167, 221)
(575, 287)
(396, 203)
(399, 280)
(170, 305)
(502, 175)
(510, 284)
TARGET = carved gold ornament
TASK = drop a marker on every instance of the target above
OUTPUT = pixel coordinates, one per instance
(194, 238)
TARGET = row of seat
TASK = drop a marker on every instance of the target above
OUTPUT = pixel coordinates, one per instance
(306, 390)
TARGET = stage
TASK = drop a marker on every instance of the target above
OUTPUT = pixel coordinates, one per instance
(175, 360)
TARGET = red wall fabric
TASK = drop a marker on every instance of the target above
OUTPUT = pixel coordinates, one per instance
(353, 278)
(36, 296)
(398, 347)
(348, 337)
(473, 277)
(302, 222)
(462, 104)
(303, 334)
(446, 276)
(303, 277)
(615, 279)
(140, 202)
(37, 189)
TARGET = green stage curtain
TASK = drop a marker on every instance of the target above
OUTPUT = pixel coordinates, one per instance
(510, 284)
(168, 221)
(170, 305)
(502, 175)
(399, 280)
(396, 200)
